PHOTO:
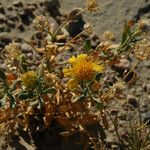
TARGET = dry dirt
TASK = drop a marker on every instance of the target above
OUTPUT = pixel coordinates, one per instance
(16, 18)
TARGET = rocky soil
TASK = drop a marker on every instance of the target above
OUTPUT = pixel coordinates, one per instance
(16, 18)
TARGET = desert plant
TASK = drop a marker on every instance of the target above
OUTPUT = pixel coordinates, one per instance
(76, 105)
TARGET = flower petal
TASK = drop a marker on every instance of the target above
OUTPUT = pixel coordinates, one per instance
(72, 60)
(82, 57)
(68, 72)
(98, 68)
(72, 84)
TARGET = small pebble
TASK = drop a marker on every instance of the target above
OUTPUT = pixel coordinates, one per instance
(21, 27)
(2, 10)
(26, 48)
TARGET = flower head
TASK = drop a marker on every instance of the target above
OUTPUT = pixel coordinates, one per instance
(29, 79)
(91, 5)
(142, 50)
(13, 50)
(40, 22)
(83, 68)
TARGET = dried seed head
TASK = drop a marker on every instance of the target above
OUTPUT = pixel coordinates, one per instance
(119, 85)
(91, 5)
(41, 22)
(108, 35)
(144, 25)
(13, 50)
(142, 50)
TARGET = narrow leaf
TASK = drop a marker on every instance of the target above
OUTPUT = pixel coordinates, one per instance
(87, 45)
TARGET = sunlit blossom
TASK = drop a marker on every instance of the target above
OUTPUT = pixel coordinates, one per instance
(83, 68)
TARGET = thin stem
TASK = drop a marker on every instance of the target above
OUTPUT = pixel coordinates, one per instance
(72, 40)
(115, 128)
(62, 25)
(131, 69)
(126, 41)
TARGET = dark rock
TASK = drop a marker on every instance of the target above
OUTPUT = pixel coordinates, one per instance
(2, 28)
(41, 4)
(2, 10)
(29, 10)
(21, 27)
(10, 24)
(53, 7)
(18, 40)
(17, 4)
(5, 39)
(12, 16)
(10, 8)
(146, 87)
(114, 112)
(24, 18)
(2, 18)
(38, 35)
(132, 101)
(76, 25)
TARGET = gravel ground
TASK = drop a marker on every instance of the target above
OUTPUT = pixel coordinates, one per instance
(16, 18)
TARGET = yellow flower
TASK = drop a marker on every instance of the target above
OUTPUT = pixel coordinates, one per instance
(83, 68)
(29, 79)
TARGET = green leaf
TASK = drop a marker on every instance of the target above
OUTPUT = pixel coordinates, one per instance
(12, 100)
(87, 45)
(2, 75)
(126, 32)
(25, 95)
(49, 90)
(99, 105)
(40, 71)
(23, 63)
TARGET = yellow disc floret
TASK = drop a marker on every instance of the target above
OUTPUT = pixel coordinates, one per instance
(29, 79)
(83, 68)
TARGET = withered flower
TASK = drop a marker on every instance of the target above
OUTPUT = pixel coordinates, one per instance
(13, 50)
(142, 50)
(91, 5)
(40, 22)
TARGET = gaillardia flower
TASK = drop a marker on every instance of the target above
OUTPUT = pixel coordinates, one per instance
(83, 68)
(29, 79)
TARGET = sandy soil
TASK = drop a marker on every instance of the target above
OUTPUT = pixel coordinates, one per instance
(112, 13)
